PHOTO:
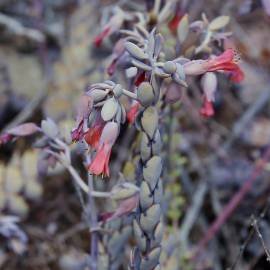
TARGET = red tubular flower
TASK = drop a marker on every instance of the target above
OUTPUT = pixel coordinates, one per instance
(175, 21)
(93, 135)
(207, 109)
(139, 79)
(100, 37)
(131, 115)
(100, 164)
(227, 62)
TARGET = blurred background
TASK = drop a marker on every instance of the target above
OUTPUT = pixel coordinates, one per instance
(47, 59)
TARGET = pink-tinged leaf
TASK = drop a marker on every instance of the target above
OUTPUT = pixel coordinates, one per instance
(125, 207)
(266, 6)
(25, 129)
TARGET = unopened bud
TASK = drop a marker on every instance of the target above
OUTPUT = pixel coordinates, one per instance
(209, 85)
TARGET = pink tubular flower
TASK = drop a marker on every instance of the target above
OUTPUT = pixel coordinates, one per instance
(227, 62)
(100, 164)
(131, 115)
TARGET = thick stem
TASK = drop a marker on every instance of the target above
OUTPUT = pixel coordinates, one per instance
(129, 94)
(148, 225)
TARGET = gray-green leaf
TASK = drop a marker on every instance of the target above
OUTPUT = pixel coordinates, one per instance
(109, 109)
(182, 29)
(218, 23)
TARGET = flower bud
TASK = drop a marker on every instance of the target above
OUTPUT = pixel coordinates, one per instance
(209, 85)
(145, 94)
(169, 67)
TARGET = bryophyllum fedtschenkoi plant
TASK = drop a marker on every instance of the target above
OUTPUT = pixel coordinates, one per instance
(139, 53)
(140, 57)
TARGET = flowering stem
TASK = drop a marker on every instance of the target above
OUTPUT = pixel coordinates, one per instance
(129, 94)
(84, 187)
(77, 178)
